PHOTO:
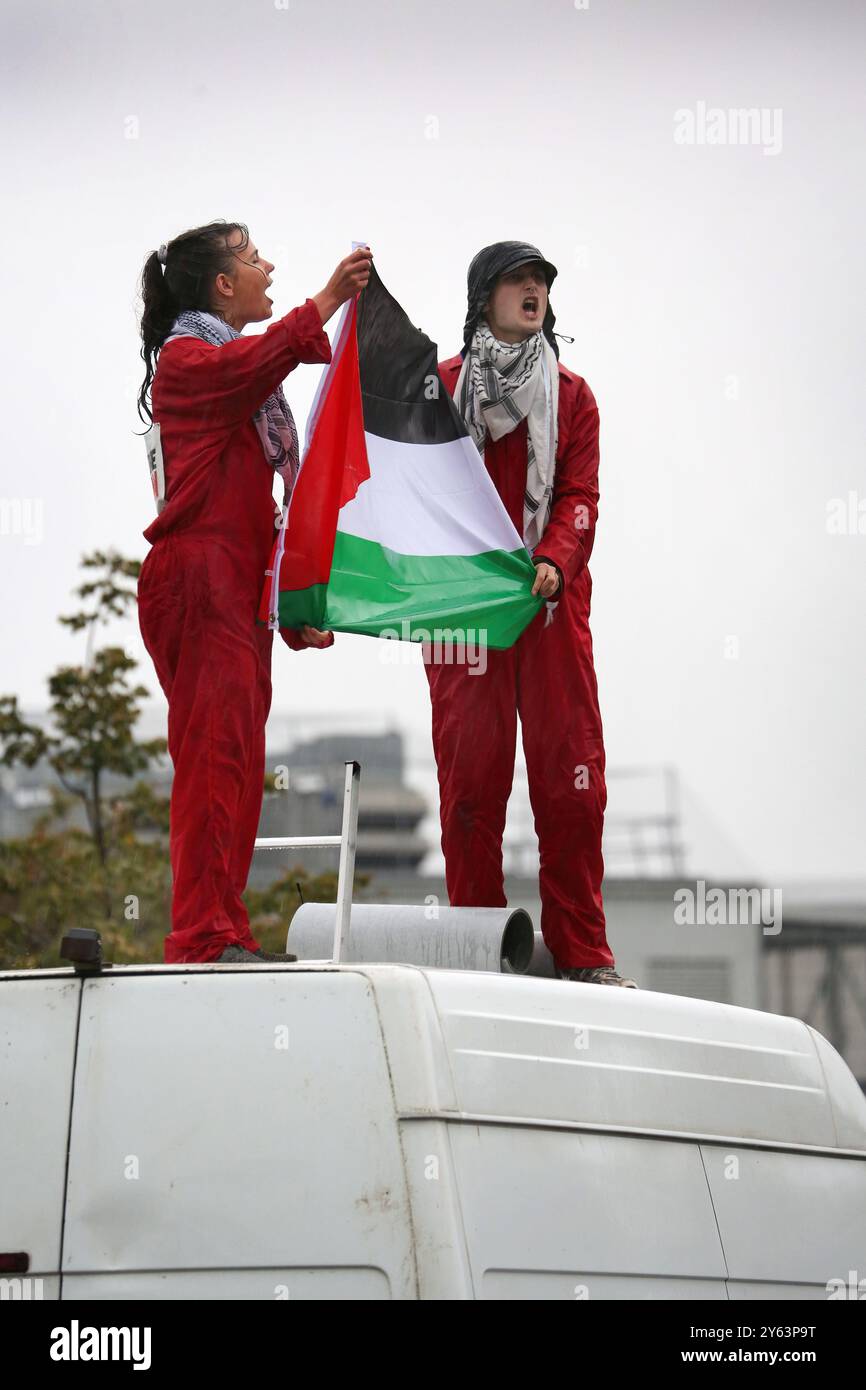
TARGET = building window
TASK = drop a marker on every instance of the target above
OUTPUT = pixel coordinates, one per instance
(697, 979)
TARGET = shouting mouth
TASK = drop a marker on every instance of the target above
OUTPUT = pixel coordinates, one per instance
(530, 305)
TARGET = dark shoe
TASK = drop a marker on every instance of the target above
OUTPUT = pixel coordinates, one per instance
(597, 975)
(239, 955)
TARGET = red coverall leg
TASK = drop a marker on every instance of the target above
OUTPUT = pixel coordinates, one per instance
(557, 697)
(548, 676)
(474, 725)
(213, 663)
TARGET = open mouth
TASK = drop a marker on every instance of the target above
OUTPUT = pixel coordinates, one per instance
(530, 305)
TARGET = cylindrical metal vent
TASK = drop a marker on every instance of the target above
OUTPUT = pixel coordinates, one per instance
(449, 938)
(542, 961)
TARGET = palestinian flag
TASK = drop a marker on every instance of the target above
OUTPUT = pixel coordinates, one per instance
(394, 526)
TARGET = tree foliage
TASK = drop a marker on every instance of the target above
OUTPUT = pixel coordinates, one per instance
(115, 876)
(93, 709)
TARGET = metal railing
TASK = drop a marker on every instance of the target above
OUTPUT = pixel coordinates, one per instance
(348, 843)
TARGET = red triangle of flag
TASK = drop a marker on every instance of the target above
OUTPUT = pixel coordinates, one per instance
(333, 468)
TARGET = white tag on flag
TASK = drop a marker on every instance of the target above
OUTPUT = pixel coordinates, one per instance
(153, 444)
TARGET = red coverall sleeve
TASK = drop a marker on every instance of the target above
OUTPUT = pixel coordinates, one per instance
(229, 383)
(570, 531)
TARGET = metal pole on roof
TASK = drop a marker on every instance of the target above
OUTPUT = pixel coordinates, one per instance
(348, 845)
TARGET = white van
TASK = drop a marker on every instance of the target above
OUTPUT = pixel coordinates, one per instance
(389, 1131)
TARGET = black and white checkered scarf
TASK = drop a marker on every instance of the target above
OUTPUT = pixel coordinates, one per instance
(501, 384)
(273, 420)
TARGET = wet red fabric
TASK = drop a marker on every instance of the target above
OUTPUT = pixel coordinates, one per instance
(198, 596)
(548, 679)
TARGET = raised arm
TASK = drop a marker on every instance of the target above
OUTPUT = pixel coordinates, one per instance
(227, 384)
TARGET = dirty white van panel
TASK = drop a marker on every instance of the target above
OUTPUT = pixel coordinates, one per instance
(234, 1130)
(579, 1216)
(37, 1053)
(781, 1216)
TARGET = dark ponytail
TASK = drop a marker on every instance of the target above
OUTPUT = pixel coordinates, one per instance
(192, 262)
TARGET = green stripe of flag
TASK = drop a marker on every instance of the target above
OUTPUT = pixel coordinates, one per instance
(484, 599)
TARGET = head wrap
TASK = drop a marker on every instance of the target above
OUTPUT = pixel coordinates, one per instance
(485, 269)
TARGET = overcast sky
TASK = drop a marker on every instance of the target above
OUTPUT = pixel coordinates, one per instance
(714, 292)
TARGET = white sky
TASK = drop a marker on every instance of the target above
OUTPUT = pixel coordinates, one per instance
(681, 268)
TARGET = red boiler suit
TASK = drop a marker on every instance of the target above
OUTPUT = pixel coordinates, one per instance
(547, 677)
(198, 596)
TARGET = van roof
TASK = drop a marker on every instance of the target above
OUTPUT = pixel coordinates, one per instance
(628, 1059)
(519, 1049)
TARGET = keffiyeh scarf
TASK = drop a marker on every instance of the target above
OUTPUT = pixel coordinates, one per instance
(501, 384)
(273, 420)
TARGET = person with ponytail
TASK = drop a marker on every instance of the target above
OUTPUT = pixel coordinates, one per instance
(223, 428)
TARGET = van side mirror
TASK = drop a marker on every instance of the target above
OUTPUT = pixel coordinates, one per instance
(82, 946)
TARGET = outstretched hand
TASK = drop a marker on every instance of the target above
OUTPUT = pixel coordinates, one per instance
(546, 580)
(312, 637)
(350, 277)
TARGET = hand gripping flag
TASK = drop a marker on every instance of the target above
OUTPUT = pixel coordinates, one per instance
(394, 527)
